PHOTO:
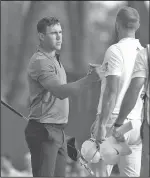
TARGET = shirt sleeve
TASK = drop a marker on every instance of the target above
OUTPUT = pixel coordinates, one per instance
(113, 61)
(42, 69)
(141, 66)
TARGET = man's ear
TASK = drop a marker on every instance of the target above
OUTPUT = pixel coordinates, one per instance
(41, 36)
(117, 26)
(137, 26)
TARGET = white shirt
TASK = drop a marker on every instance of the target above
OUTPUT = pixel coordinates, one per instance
(119, 60)
(141, 65)
(141, 70)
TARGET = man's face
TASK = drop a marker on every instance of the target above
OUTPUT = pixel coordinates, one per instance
(53, 37)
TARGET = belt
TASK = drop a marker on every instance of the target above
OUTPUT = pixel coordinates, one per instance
(59, 126)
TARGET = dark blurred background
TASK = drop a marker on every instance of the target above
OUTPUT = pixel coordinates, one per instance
(88, 30)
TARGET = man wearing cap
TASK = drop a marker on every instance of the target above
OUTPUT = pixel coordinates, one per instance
(118, 64)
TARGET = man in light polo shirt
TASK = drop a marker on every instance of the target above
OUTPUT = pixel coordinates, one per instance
(118, 65)
(49, 105)
(140, 78)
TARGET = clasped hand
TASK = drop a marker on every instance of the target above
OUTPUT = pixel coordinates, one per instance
(118, 135)
(99, 132)
(95, 72)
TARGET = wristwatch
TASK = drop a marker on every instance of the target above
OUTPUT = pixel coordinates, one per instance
(117, 125)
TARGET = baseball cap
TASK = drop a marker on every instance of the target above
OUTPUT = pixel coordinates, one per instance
(111, 150)
(129, 17)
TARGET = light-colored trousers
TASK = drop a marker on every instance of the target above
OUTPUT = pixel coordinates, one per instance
(129, 165)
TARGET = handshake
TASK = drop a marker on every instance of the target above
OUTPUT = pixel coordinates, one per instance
(95, 72)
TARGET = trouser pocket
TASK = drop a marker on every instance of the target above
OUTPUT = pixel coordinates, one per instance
(36, 131)
(55, 134)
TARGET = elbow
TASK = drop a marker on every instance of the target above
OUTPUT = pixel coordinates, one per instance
(112, 94)
(62, 97)
(133, 92)
(111, 97)
(58, 95)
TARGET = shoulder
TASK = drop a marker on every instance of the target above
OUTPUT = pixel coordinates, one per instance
(141, 57)
(40, 65)
(113, 54)
(141, 64)
(113, 61)
(113, 49)
(39, 61)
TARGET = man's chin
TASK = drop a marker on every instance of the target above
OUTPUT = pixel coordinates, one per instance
(58, 48)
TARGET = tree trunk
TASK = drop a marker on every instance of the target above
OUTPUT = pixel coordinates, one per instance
(143, 32)
(16, 83)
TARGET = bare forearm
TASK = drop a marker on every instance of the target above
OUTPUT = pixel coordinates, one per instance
(63, 91)
(108, 105)
(130, 98)
(128, 104)
(70, 89)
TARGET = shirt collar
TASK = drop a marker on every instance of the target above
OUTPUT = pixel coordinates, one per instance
(128, 38)
(57, 55)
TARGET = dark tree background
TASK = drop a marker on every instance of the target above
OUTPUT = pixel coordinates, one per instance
(88, 30)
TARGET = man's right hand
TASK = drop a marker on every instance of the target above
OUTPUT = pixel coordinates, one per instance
(95, 74)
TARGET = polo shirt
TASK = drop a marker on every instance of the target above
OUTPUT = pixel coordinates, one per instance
(141, 70)
(44, 106)
(119, 60)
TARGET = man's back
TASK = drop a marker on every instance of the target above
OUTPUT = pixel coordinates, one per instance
(119, 60)
(118, 66)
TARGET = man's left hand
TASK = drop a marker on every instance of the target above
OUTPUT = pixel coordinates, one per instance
(118, 135)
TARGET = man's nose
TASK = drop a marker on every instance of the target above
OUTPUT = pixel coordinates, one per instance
(58, 36)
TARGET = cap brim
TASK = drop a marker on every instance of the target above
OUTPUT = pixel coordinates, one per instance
(123, 148)
(111, 150)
